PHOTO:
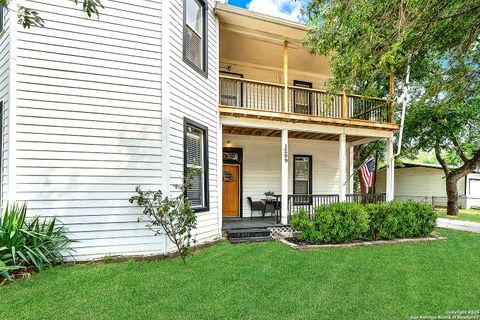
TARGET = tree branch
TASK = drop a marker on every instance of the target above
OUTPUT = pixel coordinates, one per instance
(440, 159)
(458, 148)
(474, 8)
(471, 164)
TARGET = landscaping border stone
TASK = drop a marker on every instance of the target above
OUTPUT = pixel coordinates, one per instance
(284, 240)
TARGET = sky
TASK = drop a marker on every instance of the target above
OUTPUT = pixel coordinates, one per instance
(287, 9)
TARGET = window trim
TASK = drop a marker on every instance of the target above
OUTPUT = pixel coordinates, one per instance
(2, 20)
(203, 71)
(186, 123)
(310, 175)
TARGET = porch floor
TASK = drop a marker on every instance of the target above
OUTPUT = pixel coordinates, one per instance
(247, 223)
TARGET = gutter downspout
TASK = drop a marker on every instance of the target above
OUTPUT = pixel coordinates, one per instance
(406, 99)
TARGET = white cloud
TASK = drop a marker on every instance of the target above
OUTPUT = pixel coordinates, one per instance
(286, 9)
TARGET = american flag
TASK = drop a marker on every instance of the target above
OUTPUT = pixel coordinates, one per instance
(366, 174)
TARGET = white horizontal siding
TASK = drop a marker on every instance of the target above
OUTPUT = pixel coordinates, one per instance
(262, 162)
(194, 97)
(473, 190)
(89, 122)
(418, 182)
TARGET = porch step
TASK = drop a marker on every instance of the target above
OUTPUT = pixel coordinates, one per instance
(248, 235)
(250, 239)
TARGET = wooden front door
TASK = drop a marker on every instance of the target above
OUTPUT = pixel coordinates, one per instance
(231, 189)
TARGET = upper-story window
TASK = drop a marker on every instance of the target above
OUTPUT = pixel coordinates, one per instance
(195, 35)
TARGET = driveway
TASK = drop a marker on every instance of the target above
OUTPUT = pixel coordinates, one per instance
(458, 225)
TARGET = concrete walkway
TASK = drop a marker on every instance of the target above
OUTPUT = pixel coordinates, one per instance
(458, 225)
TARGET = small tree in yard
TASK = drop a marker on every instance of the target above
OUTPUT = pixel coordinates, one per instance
(172, 216)
(448, 124)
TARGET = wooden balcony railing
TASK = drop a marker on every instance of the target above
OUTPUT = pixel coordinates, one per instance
(265, 96)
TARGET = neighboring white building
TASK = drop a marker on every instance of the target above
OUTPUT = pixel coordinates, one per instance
(426, 182)
(93, 108)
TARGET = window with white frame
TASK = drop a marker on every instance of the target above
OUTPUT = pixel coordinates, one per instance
(195, 153)
(195, 40)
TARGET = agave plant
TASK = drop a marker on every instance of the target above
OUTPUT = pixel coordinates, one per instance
(30, 242)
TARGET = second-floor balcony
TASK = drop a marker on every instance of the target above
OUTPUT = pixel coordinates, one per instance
(266, 73)
(270, 97)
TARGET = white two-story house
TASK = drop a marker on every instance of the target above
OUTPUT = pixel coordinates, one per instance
(92, 108)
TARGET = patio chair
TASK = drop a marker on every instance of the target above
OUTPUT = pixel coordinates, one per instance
(256, 206)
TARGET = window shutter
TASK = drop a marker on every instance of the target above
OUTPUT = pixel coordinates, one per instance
(194, 148)
(194, 194)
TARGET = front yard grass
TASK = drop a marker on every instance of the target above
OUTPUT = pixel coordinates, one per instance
(262, 281)
(464, 214)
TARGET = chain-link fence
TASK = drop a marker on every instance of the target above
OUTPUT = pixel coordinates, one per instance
(464, 202)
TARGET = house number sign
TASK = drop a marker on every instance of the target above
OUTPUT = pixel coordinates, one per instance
(285, 153)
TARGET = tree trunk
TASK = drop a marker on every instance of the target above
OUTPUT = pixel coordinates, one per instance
(452, 176)
(452, 195)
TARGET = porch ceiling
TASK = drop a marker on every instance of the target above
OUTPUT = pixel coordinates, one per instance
(291, 134)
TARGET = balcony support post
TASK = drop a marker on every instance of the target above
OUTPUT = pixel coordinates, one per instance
(342, 167)
(344, 106)
(284, 157)
(285, 76)
(391, 97)
(351, 168)
(390, 171)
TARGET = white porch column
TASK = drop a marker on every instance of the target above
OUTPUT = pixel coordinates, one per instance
(284, 157)
(285, 76)
(342, 167)
(351, 168)
(390, 174)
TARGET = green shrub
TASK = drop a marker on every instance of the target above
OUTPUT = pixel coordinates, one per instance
(301, 222)
(335, 223)
(345, 222)
(340, 222)
(398, 220)
(29, 242)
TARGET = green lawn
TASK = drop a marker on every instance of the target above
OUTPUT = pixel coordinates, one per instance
(262, 281)
(464, 214)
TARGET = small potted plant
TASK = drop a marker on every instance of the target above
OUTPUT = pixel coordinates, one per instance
(270, 195)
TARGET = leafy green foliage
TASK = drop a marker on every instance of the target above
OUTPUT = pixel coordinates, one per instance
(398, 220)
(345, 222)
(170, 216)
(365, 39)
(335, 223)
(438, 41)
(29, 242)
(28, 17)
